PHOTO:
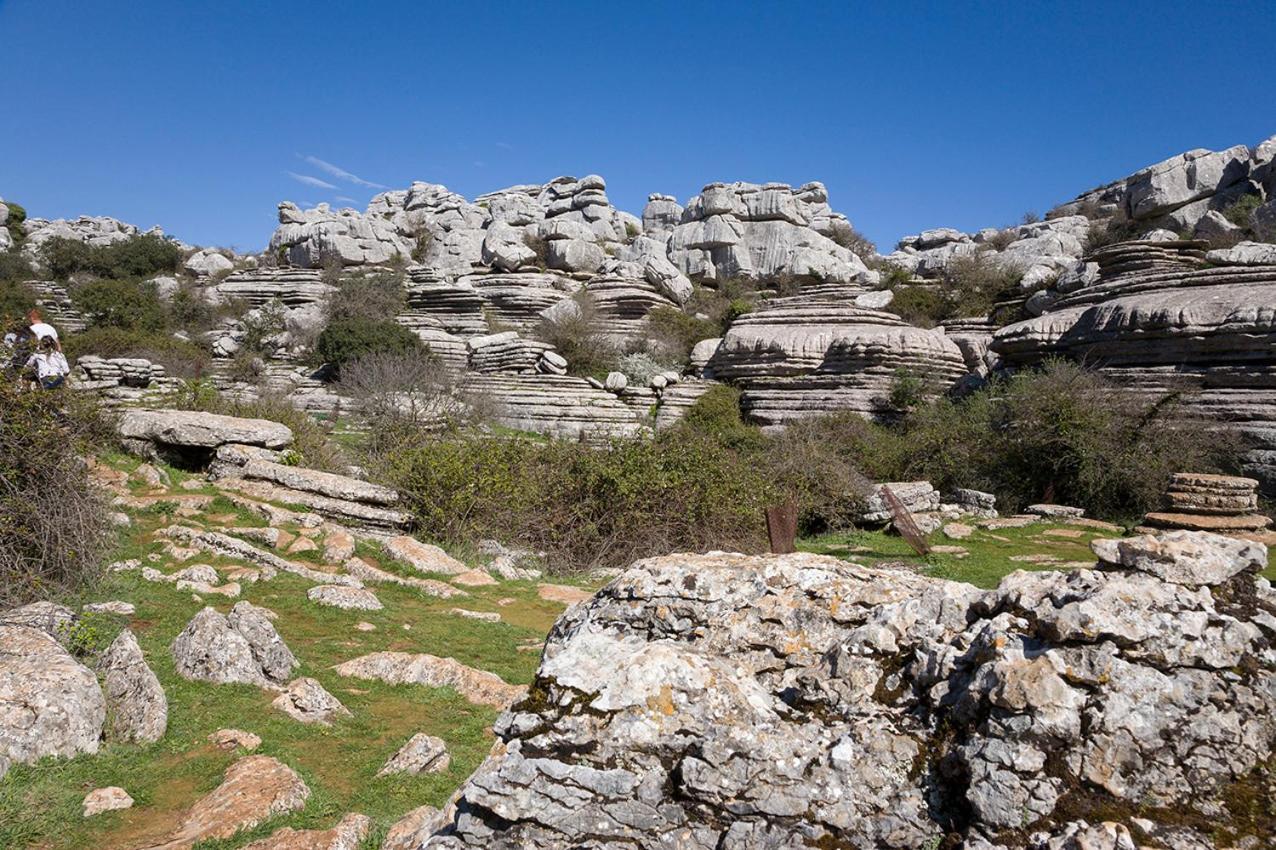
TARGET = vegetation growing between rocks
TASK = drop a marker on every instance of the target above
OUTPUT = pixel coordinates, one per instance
(970, 286)
(54, 527)
(139, 256)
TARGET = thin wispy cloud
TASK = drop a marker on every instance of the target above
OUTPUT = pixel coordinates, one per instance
(505, 146)
(340, 173)
(348, 200)
(310, 181)
(478, 163)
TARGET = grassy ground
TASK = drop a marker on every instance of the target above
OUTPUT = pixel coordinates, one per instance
(40, 805)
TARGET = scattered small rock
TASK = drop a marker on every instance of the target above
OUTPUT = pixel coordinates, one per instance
(957, 531)
(114, 607)
(485, 616)
(563, 593)
(473, 578)
(110, 799)
(365, 627)
(230, 739)
(306, 700)
(348, 834)
(340, 596)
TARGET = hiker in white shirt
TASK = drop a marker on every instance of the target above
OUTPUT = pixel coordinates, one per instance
(41, 329)
(49, 364)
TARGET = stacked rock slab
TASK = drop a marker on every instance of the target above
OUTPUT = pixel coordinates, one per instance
(1223, 504)
(818, 353)
(734, 702)
(557, 406)
(1157, 320)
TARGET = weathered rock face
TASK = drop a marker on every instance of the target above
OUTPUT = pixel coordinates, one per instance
(240, 648)
(761, 231)
(50, 704)
(136, 705)
(818, 353)
(725, 701)
(1157, 321)
(196, 434)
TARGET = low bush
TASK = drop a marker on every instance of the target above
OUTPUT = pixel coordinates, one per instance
(1061, 434)
(376, 295)
(144, 255)
(17, 215)
(398, 396)
(127, 304)
(970, 286)
(674, 333)
(347, 339)
(856, 242)
(16, 298)
(1239, 212)
(574, 334)
(54, 526)
(181, 358)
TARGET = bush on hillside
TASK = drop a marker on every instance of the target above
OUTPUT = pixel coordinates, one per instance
(674, 333)
(127, 304)
(574, 334)
(54, 526)
(179, 357)
(17, 215)
(376, 295)
(16, 298)
(1061, 433)
(970, 286)
(144, 255)
(348, 339)
(397, 396)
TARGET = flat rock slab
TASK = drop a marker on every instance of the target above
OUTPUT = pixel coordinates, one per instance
(425, 557)
(320, 483)
(192, 429)
(362, 570)
(254, 789)
(474, 578)
(109, 799)
(401, 668)
(346, 835)
(411, 831)
(1048, 510)
(563, 593)
(1204, 522)
(230, 739)
(349, 598)
(957, 531)
(483, 616)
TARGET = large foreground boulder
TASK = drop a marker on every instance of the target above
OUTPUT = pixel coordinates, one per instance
(731, 702)
(50, 704)
(194, 436)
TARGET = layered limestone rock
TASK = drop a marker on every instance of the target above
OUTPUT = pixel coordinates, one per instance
(1157, 321)
(196, 435)
(727, 701)
(291, 287)
(569, 408)
(760, 232)
(818, 353)
(1224, 504)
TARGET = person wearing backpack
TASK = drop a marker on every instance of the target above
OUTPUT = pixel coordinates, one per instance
(48, 364)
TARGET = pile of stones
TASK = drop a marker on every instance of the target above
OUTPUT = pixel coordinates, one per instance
(1220, 503)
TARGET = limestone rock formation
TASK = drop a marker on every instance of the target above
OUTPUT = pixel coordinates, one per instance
(196, 432)
(109, 799)
(729, 701)
(1158, 320)
(1221, 503)
(817, 353)
(50, 704)
(137, 708)
(241, 648)
(348, 598)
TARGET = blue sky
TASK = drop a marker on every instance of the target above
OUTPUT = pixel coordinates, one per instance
(196, 116)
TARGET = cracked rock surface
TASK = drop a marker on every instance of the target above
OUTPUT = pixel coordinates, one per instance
(789, 701)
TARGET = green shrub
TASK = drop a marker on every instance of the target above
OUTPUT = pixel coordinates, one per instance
(17, 215)
(1239, 212)
(144, 255)
(575, 336)
(1061, 433)
(675, 333)
(16, 299)
(856, 242)
(970, 286)
(54, 526)
(179, 357)
(376, 295)
(261, 324)
(14, 268)
(344, 340)
(126, 304)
